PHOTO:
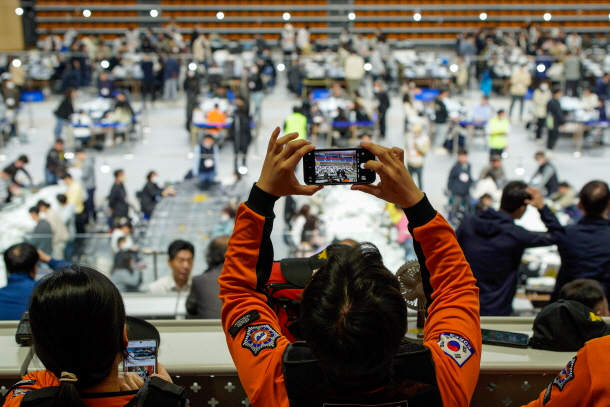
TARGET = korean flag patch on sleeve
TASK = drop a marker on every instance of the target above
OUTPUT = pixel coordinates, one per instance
(456, 347)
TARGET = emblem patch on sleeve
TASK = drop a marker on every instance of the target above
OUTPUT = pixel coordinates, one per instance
(243, 321)
(566, 375)
(20, 391)
(259, 337)
(456, 347)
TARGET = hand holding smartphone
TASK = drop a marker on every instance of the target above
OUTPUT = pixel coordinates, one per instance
(338, 167)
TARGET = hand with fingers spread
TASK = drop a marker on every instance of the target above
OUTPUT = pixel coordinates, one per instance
(536, 200)
(277, 176)
(396, 185)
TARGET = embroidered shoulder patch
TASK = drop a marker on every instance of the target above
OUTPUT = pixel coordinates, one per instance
(456, 347)
(259, 337)
(566, 375)
(243, 321)
(20, 391)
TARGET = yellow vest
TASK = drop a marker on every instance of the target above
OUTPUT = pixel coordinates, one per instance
(498, 130)
(296, 123)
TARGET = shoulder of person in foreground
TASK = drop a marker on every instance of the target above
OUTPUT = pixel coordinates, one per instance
(32, 381)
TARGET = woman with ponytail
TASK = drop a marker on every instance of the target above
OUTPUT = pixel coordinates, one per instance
(77, 320)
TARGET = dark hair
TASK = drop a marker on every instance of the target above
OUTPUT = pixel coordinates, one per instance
(539, 154)
(296, 109)
(68, 94)
(514, 196)
(80, 150)
(462, 151)
(230, 210)
(179, 245)
(595, 197)
(34, 209)
(66, 175)
(21, 258)
(564, 185)
(353, 317)
(215, 255)
(24, 159)
(77, 319)
(149, 175)
(500, 111)
(62, 199)
(583, 290)
(42, 203)
(117, 173)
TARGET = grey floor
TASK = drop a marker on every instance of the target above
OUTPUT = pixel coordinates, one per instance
(166, 147)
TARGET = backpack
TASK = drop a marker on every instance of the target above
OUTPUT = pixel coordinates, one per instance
(156, 392)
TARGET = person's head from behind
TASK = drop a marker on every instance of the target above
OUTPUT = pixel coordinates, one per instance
(62, 199)
(77, 319)
(353, 317)
(35, 213)
(181, 254)
(296, 109)
(595, 199)
(21, 161)
(462, 156)
(496, 161)
(588, 292)
(21, 258)
(215, 254)
(514, 199)
(540, 157)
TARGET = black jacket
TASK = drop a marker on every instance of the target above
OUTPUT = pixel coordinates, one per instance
(149, 197)
(585, 253)
(493, 245)
(65, 109)
(117, 201)
(384, 102)
(56, 163)
(441, 114)
(455, 184)
(12, 171)
(554, 109)
(203, 301)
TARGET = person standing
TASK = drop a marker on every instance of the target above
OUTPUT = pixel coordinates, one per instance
(418, 145)
(117, 200)
(383, 104)
(205, 165)
(256, 88)
(191, 87)
(541, 97)
(202, 51)
(555, 119)
(67, 212)
(296, 123)
(241, 135)
(545, 178)
(56, 163)
(61, 236)
(520, 80)
(87, 164)
(42, 233)
(354, 72)
(76, 196)
(64, 111)
(494, 245)
(498, 129)
(148, 80)
(460, 181)
(573, 73)
(171, 70)
(441, 122)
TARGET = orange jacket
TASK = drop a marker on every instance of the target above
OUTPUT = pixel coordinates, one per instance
(583, 382)
(253, 332)
(44, 378)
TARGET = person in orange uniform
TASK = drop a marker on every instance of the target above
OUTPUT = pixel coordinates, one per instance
(353, 351)
(216, 117)
(583, 382)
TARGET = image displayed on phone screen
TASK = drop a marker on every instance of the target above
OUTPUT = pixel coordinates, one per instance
(142, 358)
(336, 167)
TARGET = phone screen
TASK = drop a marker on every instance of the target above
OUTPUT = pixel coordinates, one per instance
(142, 358)
(504, 338)
(338, 167)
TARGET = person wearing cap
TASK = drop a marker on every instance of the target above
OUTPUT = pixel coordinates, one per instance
(494, 245)
(568, 326)
(15, 167)
(584, 250)
(352, 314)
(80, 335)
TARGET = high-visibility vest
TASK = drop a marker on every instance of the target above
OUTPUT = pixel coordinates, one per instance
(498, 130)
(296, 123)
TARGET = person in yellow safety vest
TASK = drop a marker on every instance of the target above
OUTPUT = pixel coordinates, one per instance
(498, 129)
(296, 123)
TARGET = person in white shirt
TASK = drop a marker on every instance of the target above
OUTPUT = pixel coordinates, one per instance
(303, 39)
(181, 254)
(354, 72)
(590, 100)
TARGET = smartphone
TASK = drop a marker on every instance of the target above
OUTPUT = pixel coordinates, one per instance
(502, 338)
(142, 358)
(338, 167)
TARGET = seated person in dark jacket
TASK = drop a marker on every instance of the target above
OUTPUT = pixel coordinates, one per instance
(584, 250)
(105, 85)
(203, 301)
(151, 194)
(493, 244)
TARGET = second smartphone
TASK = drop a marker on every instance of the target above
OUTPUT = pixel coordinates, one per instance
(338, 167)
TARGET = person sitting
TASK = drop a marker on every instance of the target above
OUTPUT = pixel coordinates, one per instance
(203, 301)
(588, 292)
(227, 223)
(19, 166)
(21, 262)
(181, 254)
(590, 100)
(352, 313)
(125, 273)
(79, 334)
(122, 229)
(151, 194)
(564, 198)
(216, 117)
(106, 86)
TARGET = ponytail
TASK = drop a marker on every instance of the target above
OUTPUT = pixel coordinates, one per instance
(67, 396)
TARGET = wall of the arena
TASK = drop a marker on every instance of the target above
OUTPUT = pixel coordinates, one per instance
(11, 28)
